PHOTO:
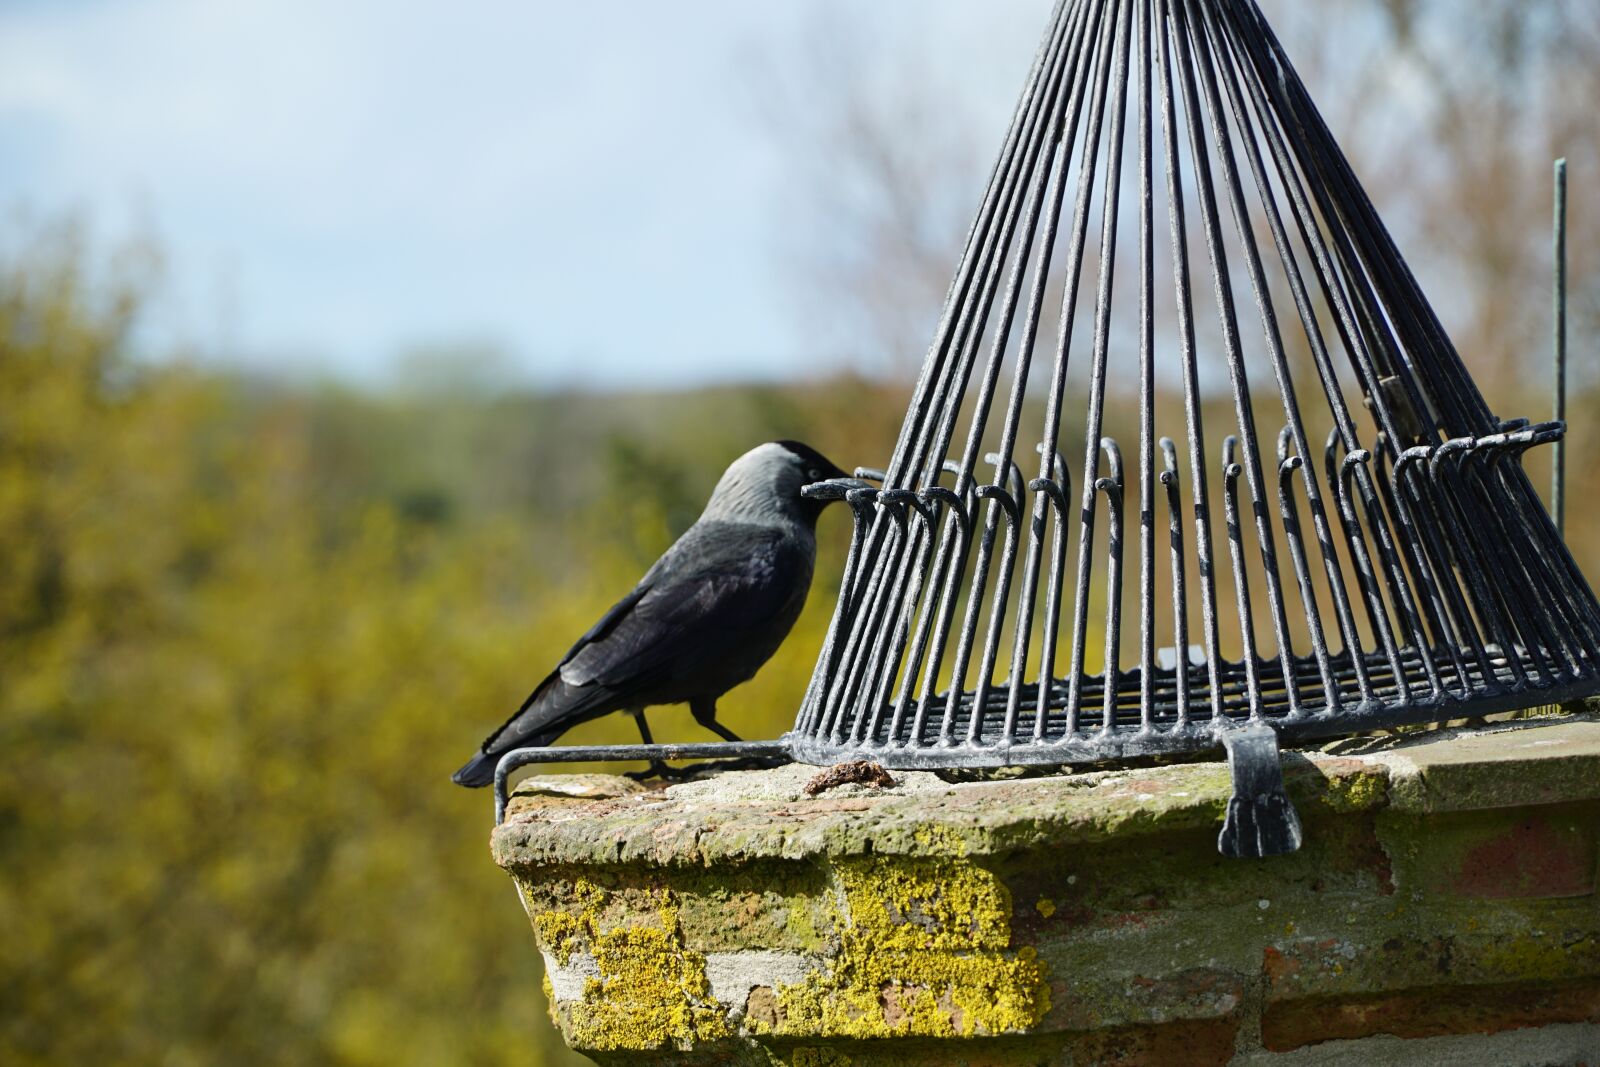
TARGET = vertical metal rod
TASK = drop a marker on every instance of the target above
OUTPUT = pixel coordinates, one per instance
(1112, 488)
(1147, 420)
(1180, 624)
(1558, 457)
(1102, 330)
(1184, 295)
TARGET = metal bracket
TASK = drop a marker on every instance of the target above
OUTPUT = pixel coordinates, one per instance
(1260, 820)
(523, 757)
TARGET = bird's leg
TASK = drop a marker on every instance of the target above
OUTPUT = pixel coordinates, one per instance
(705, 713)
(658, 768)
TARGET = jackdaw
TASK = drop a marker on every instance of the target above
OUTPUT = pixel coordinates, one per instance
(702, 620)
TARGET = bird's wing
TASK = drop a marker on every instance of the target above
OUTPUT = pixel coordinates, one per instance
(551, 701)
(714, 585)
(615, 614)
(696, 602)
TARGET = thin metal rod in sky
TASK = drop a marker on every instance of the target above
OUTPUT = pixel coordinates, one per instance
(1558, 458)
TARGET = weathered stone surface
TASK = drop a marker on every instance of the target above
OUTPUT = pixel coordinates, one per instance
(1072, 919)
(540, 791)
(750, 815)
(1515, 764)
(1555, 1045)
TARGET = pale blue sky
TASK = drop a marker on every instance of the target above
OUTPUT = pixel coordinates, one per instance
(588, 187)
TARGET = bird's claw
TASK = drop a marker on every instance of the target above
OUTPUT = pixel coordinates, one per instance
(745, 763)
(663, 770)
(668, 773)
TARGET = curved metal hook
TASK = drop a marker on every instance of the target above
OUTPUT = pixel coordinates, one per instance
(1014, 477)
(1113, 460)
(1230, 448)
(950, 500)
(1051, 489)
(862, 499)
(1006, 501)
(897, 500)
(1169, 456)
(1347, 469)
(1417, 454)
(1057, 463)
(1444, 451)
(1286, 469)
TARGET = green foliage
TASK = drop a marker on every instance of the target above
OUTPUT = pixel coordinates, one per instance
(247, 635)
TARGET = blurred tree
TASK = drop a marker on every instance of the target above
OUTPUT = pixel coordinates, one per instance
(224, 819)
(246, 632)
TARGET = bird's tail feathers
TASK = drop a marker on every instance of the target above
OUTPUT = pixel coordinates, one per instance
(479, 770)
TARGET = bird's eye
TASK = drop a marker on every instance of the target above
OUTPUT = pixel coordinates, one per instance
(814, 474)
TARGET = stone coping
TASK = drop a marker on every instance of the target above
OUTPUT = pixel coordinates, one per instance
(738, 817)
(1444, 901)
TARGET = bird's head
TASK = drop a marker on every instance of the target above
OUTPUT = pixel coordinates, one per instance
(764, 484)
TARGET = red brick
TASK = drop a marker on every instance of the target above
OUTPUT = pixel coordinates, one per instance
(1540, 856)
(1516, 854)
(1428, 1013)
(1195, 1044)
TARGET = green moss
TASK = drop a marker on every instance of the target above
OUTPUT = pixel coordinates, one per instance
(923, 952)
(801, 928)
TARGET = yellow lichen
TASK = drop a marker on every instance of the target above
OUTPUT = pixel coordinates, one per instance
(923, 952)
(935, 840)
(550, 999)
(650, 990)
(559, 932)
(910, 904)
(1045, 907)
(1355, 792)
(1533, 958)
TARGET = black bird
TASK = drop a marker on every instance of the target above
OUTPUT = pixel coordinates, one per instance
(703, 619)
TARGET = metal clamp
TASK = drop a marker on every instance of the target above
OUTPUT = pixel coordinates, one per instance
(1260, 820)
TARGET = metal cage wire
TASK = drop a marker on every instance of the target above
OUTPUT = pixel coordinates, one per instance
(1424, 578)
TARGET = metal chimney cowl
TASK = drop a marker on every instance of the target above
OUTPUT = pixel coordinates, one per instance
(1322, 528)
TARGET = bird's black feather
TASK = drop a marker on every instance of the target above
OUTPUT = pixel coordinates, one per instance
(812, 458)
(702, 620)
